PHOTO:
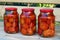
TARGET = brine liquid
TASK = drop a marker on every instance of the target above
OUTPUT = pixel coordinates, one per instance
(46, 26)
(27, 24)
(11, 24)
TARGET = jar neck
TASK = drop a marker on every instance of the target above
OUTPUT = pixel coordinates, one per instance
(11, 11)
(28, 12)
(46, 13)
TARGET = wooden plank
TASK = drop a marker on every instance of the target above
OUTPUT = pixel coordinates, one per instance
(33, 1)
(2, 0)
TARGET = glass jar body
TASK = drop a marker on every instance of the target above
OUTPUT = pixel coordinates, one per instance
(11, 23)
(46, 24)
(28, 23)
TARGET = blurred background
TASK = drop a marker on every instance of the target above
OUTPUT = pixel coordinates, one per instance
(36, 6)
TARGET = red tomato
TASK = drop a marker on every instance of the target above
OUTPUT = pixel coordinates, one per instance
(23, 31)
(48, 21)
(15, 16)
(11, 19)
(43, 26)
(6, 29)
(14, 24)
(31, 25)
(34, 28)
(27, 20)
(5, 18)
(22, 21)
(52, 26)
(11, 29)
(48, 33)
(43, 19)
(25, 26)
(8, 24)
(30, 31)
(39, 31)
(32, 17)
(17, 28)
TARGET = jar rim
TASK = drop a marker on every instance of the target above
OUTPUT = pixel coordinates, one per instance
(28, 9)
(11, 8)
(46, 10)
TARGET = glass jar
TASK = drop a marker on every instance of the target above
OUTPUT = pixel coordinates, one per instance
(46, 23)
(11, 24)
(28, 21)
